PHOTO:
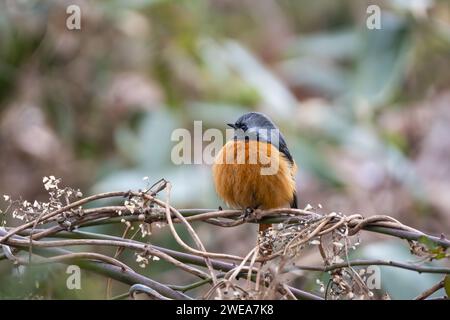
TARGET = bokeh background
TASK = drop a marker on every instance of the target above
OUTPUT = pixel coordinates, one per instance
(366, 113)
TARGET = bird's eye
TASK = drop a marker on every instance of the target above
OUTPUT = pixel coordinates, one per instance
(243, 126)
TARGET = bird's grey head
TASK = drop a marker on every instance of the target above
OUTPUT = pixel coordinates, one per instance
(258, 126)
(252, 122)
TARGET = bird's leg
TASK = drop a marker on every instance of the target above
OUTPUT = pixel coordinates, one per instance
(251, 214)
(247, 214)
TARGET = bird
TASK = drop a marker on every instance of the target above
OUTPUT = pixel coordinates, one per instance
(238, 168)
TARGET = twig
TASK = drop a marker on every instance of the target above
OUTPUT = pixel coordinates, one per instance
(430, 291)
(193, 235)
(153, 294)
(407, 266)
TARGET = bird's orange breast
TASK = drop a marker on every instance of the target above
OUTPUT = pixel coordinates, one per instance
(238, 178)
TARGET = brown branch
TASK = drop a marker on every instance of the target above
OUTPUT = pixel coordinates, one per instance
(155, 209)
(430, 291)
(127, 276)
(407, 266)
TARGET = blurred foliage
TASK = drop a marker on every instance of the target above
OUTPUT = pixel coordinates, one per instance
(365, 112)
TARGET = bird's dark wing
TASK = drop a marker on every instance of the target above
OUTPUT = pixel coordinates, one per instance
(284, 149)
(294, 203)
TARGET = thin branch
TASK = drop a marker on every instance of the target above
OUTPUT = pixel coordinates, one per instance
(151, 293)
(129, 277)
(407, 266)
(430, 291)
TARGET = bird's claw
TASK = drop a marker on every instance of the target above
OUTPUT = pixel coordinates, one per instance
(251, 214)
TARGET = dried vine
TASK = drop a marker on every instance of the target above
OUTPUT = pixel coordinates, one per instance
(258, 275)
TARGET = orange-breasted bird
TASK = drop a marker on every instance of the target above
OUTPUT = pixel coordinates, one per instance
(255, 169)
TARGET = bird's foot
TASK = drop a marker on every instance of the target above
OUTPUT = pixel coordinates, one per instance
(247, 213)
(251, 214)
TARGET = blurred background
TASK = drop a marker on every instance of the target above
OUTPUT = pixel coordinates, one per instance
(366, 113)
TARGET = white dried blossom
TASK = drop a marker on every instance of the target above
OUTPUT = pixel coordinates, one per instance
(155, 258)
(338, 244)
(140, 258)
(314, 242)
(142, 261)
(308, 207)
(17, 215)
(321, 285)
(130, 206)
(145, 229)
(6, 197)
(51, 183)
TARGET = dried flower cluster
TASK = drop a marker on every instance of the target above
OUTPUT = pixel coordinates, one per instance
(284, 245)
(58, 198)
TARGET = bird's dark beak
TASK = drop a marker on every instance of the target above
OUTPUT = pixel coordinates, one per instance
(231, 125)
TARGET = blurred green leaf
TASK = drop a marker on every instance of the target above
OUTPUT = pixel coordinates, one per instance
(277, 98)
(447, 285)
(333, 45)
(311, 159)
(382, 61)
(430, 244)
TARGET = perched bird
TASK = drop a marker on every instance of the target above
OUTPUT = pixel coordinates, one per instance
(255, 169)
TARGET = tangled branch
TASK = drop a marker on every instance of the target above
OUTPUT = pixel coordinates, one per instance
(50, 226)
